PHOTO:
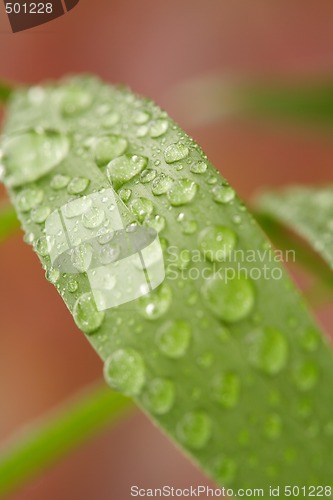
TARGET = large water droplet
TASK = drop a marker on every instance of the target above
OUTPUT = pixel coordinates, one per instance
(223, 194)
(77, 185)
(108, 148)
(124, 371)
(29, 198)
(194, 429)
(141, 208)
(147, 175)
(86, 315)
(267, 350)
(140, 117)
(176, 152)
(72, 286)
(199, 168)
(74, 100)
(109, 253)
(217, 242)
(161, 184)
(93, 218)
(155, 304)
(41, 246)
(77, 207)
(160, 396)
(173, 338)
(125, 167)
(59, 181)
(158, 127)
(226, 389)
(31, 155)
(306, 375)
(52, 275)
(182, 192)
(156, 222)
(81, 257)
(40, 214)
(231, 298)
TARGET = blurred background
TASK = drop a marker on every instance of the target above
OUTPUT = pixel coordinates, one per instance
(160, 49)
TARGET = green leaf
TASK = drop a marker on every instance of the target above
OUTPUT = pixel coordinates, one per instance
(212, 98)
(9, 222)
(41, 444)
(307, 211)
(223, 355)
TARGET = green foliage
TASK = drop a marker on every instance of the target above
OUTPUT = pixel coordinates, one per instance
(307, 211)
(232, 367)
(36, 448)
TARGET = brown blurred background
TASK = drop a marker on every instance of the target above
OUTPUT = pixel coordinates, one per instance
(153, 46)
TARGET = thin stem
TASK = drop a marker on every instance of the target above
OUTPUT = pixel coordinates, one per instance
(44, 443)
(306, 257)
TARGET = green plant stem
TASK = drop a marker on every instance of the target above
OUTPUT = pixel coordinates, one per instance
(9, 222)
(42, 444)
(305, 257)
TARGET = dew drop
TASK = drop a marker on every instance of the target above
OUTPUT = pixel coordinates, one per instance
(52, 275)
(173, 338)
(107, 148)
(109, 253)
(216, 243)
(29, 198)
(159, 396)
(155, 304)
(310, 339)
(59, 182)
(77, 185)
(125, 167)
(182, 192)
(223, 194)
(267, 350)
(194, 429)
(93, 218)
(75, 100)
(40, 214)
(125, 194)
(226, 389)
(141, 208)
(156, 222)
(86, 315)
(31, 155)
(72, 286)
(158, 128)
(141, 117)
(104, 236)
(230, 299)
(161, 184)
(198, 168)
(124, 371)
(306, 375)
(41, 246)
(77, 207)
(176, 152)
(81, 257)
(147, 175)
